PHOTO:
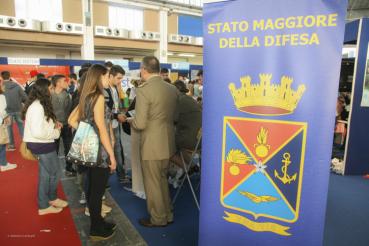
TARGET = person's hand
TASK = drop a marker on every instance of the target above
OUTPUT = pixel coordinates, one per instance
(7, 121)
(129, 120)
(122, 118)
(58, 125)
(113, 164)
(112, 141)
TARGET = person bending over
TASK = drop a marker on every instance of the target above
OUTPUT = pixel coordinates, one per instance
(188, 124)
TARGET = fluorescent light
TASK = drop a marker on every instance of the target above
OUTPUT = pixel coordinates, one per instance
(186, 55)
(170, 53)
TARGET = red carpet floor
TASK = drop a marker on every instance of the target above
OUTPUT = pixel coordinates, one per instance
(20, 223)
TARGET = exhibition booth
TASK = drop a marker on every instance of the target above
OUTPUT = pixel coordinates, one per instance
(354, 87)
(21, 67)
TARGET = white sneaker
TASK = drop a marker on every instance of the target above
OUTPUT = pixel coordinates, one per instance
(87, 213)
(59, 203)
(83, 200)
(175, 184)
(8, 167)
(49, 210)
(179, 174)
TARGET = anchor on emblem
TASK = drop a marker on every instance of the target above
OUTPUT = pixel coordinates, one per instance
(285, 178)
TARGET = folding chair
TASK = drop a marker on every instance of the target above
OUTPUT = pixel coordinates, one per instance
(187, 167)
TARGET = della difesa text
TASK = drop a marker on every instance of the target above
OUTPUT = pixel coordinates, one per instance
(282, 29)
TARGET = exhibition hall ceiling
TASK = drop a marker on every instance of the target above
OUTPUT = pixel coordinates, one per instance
(358, 4)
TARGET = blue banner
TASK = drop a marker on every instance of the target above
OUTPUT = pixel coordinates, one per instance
(271, 73)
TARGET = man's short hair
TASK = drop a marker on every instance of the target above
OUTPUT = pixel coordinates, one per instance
(164, 70)
(82, 71)
(115, 69)
(167, 80)
(40, 76)
(56, 78)
(181, 86)
(199, 73)
(5, 75)
(151, 64)
(109, 64)
(86, 65)
(73, 76)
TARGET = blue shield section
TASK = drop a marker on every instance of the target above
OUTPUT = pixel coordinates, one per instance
(275, 165)
(259, 185)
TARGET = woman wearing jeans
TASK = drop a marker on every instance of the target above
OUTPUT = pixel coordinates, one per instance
(4, 164)
(41, 130)
(92, 104)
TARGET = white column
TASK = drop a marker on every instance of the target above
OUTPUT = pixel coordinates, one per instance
(162, 52)
(88, 46)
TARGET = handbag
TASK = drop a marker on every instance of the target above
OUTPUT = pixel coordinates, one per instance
(4, 135)
(85, 147)
(26, 153)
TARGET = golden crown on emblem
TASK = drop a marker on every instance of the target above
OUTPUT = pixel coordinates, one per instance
(266, 98)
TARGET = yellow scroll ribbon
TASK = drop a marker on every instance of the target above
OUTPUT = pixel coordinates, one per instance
(256, 226)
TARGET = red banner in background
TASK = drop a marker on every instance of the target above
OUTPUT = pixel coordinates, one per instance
(20, 73)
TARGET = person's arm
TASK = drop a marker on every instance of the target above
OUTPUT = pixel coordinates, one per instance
(39, 128)
(22, 95)
(133, 105)
(142, 108)
(68, 103)
(177, 109)
(73, 118)
(3, 113)
(112, 137)
(103, 133)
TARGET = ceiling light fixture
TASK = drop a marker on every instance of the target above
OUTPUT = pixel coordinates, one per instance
(186, 55)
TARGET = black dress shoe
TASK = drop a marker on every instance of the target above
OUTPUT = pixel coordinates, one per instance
(102, 234)
(147, 223)
(110, 226)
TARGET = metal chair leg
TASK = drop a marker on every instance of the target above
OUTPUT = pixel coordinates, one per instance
(189, 182)
(182, 181)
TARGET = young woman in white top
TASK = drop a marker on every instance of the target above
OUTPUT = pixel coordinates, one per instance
(4, 164)
(41, 130)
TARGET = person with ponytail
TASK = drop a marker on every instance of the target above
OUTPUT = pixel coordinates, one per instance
(41, 131)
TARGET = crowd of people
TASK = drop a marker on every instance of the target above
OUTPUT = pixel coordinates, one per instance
(162, 119)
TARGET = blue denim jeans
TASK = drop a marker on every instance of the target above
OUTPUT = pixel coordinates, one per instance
(3, 161)
(18, 119)
(49, 174)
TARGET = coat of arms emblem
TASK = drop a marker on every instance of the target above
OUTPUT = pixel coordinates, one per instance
(263, 159)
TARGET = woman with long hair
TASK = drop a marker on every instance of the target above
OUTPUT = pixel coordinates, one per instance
(4, 122)
(41, 130)
(92, 103)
